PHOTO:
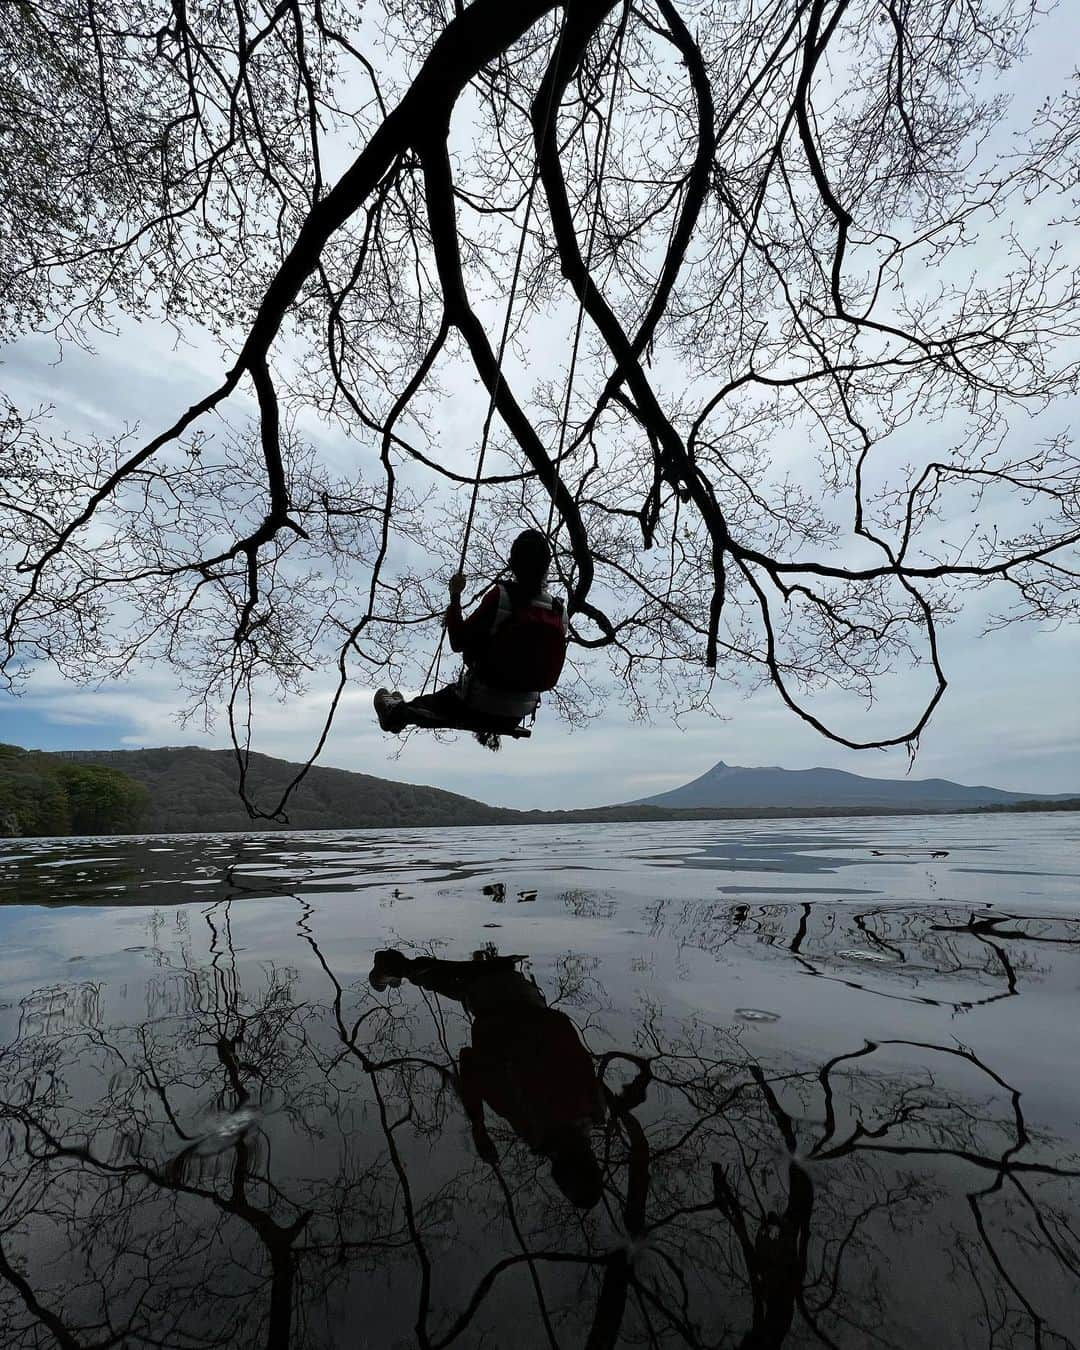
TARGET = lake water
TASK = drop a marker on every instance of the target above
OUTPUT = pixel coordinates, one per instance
(756, 1084)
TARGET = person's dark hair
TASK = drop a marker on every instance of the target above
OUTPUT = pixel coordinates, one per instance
(530, 558)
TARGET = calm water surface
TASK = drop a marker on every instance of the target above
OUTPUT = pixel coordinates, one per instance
(756, 1084)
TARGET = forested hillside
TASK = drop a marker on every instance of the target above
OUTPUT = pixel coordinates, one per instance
(183, 789)
(42, 794)
(192, 789)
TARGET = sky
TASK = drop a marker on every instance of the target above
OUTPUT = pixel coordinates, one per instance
(1011, 717)
(992, 729)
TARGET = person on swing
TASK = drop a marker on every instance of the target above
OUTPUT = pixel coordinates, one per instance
(513, 646)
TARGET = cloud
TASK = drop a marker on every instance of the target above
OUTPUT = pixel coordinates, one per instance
(1010, 717)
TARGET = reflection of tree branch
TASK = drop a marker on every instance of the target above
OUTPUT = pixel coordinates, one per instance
(989, 925)
(722, 1174)
(46, 1317)
(488, 1280)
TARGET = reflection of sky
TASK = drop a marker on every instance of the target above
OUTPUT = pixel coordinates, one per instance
(1010, 718)
(696, 915)
(900, 1043)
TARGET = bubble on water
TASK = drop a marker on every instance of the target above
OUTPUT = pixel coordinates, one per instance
(865, 954)
(222, 1130)
(757, 1015)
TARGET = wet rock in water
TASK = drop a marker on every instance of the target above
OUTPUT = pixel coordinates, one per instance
(757, 1015)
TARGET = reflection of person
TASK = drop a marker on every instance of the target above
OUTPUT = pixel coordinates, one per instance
(526, 1062)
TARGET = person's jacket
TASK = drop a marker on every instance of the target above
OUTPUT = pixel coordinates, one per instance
(469, 637)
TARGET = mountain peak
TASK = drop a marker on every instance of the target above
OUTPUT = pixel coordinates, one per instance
(728, 785)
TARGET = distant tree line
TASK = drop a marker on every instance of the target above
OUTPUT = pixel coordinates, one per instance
(42, 795)
(1060, 804)
(191, 789)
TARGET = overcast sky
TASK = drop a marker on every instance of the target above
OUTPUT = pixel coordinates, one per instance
(1011, 717)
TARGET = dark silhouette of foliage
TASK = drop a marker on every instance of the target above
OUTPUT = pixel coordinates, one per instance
(193, 789)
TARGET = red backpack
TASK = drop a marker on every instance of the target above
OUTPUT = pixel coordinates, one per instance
(527, 646)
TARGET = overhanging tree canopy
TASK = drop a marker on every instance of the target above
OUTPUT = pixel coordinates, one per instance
(818, 271)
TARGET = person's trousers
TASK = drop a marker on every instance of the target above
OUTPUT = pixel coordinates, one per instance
(445, 708)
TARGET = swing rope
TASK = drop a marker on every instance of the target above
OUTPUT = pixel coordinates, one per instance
(433, 670)
(601, 168)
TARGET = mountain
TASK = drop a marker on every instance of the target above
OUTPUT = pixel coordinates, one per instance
(727, 785)
(180, 789)
(193, 789)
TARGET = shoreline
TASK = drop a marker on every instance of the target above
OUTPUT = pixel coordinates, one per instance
(593, 816)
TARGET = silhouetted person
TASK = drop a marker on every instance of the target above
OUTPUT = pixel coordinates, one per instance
(513, 646)
(526, 1062)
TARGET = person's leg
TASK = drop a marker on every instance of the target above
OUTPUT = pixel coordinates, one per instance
(390, 967)
(443, 708)
(454, 979)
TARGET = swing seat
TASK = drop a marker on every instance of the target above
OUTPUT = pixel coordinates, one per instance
(461, 714)
(518, 733)
(477, 723)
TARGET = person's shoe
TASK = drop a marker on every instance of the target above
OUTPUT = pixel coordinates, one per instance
(387, 704)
